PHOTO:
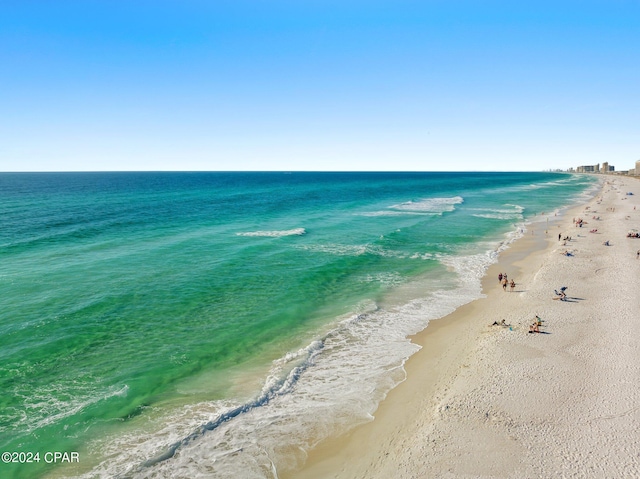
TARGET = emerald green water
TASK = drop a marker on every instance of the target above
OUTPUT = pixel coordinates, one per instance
(119, 290)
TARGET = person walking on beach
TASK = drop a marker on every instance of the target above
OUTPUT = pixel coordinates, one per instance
(513, 285)
(504, 283)
(499, 277)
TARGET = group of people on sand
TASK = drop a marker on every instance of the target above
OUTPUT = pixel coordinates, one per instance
(564, 240)
(504, 281)
(533, 328)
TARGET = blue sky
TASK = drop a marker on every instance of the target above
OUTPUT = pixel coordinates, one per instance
(318, 85)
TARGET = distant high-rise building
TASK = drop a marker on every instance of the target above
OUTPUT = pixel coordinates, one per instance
(588, 169)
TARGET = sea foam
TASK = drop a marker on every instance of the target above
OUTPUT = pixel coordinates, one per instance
(429, 205)
(275, 234)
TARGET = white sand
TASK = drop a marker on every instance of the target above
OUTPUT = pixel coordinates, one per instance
(484, 401)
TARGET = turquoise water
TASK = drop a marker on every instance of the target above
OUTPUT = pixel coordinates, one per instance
(150, 319)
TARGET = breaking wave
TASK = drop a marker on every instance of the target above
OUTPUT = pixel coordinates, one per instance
(275, 234)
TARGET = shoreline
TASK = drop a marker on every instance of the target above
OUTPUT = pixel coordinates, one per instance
(429, 425)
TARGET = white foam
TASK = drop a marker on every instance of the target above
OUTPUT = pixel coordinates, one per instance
(337, 249)
(362, 249)
(513, 209)
(51, 404)
(514, 212)
(498, 216)
(492, 216)
(397, 213)
(429, 205)
(275, 234)
(517, 208)
(389, 279)
(544, 184)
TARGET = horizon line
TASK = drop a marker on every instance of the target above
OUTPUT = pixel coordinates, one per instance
(287, 171)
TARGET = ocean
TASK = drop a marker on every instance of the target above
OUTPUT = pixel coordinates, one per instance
(221, 324)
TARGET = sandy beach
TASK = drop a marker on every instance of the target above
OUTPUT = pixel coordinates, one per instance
(493, 401)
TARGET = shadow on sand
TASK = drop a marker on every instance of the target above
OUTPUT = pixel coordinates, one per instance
(572, 300)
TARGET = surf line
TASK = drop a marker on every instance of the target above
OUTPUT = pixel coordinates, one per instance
(280, 388)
